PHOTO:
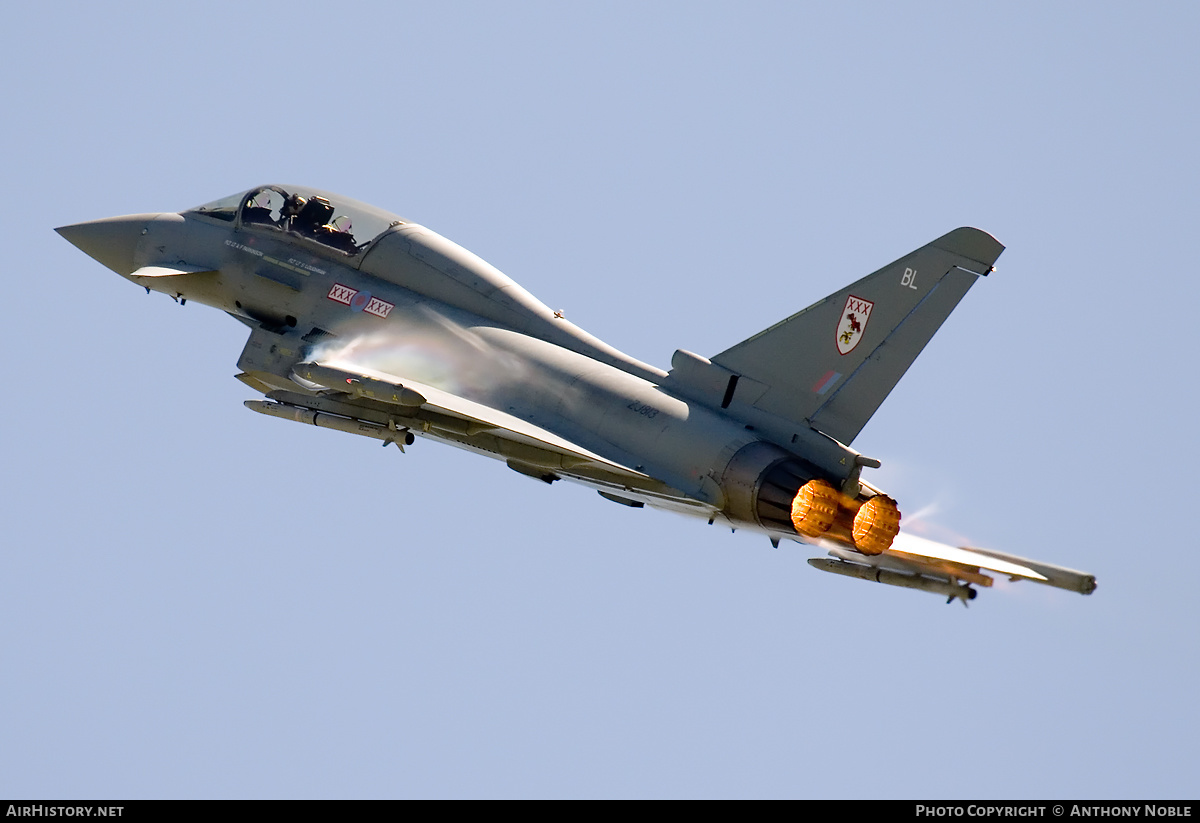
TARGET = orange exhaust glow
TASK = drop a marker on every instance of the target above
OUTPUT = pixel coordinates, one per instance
(814, 508)
(876, 525)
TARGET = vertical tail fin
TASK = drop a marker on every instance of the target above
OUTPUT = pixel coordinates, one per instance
(834, 363)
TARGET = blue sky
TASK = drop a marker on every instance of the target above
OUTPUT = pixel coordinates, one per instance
(203, 602)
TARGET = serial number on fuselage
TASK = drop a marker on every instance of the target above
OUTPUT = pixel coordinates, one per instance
(649, 412)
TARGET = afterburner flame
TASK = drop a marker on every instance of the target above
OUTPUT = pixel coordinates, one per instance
(814, 508)
(876, 525)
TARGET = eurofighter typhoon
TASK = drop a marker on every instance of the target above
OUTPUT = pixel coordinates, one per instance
(367, 323)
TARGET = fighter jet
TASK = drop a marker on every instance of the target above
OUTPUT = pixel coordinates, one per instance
(368, 323)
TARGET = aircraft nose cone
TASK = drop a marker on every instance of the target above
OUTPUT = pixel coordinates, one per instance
(112, 241)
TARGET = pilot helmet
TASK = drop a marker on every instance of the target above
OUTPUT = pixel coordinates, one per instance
(294, 204)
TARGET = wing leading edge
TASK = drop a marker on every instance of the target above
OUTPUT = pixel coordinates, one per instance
(385, 407)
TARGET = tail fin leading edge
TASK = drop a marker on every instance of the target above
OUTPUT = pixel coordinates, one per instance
(833, 364)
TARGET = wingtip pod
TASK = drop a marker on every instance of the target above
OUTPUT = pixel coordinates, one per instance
(974, 244)
(1059, 577)
(919, 563)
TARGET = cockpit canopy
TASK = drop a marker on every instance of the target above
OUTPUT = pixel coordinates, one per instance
(328, 219)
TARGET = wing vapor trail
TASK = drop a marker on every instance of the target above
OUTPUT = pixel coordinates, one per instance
(436, 351)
